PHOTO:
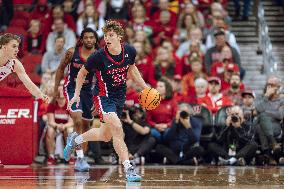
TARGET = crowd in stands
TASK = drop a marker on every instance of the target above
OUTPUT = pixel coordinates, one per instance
(187, 51)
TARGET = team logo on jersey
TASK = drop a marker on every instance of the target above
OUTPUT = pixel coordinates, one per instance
(126, 56)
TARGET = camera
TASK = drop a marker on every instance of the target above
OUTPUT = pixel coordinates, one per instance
(235, 118)
(123, 115)
(184, 114)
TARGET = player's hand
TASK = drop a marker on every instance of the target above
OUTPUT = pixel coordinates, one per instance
(75, 99)
(45, 98)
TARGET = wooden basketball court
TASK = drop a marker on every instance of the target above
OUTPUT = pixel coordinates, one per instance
(64, 177)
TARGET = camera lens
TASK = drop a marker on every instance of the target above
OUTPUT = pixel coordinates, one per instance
(184, 114)
(235, 118)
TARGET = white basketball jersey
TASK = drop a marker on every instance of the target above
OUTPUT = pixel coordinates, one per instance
(7, 69)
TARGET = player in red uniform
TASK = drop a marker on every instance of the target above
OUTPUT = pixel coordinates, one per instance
(9, 48)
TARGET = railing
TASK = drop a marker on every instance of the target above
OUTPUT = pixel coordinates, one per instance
(264, 42)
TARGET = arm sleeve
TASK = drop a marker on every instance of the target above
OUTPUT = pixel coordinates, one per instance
(92, 62)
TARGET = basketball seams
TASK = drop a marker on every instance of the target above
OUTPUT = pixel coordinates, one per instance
(155, 100)
(147, 95)
(149, 98)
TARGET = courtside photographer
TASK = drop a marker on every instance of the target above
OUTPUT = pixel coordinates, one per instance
(235, 143)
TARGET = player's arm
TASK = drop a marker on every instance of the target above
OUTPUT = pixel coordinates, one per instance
(89, 66)
(79, 83)
(60, 71)
(34, 90)
(136, 76)
(80, 80)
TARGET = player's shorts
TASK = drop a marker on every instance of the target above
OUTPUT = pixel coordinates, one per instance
(105, 105)
(86, 102)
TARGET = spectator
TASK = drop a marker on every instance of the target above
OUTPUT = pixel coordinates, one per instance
(270, 108)
(41, 12)
(117, 9)
(58, 13)
(218, 68)
(194, 34)
(164, 29)
(160, 118)
(164, 6)
(140, 21)
(58, 121)
(137, 133)
(46, 86)
(246, 9)
(248, 106)
(230, 37)
(70, 7)
(214, 100)
(129, 34)
(235, 143)
(90, 18)
(69, 35)
(189, 79)
(181, 144)
(35, 41)
(51, 59)
(201, 86)
(213, 54)
(141, 36)
(186, 22)
(235, 91)
(165, 65)
(144, 62)
(132, 93)
(230, 69)
(197, 16)
(195, 51)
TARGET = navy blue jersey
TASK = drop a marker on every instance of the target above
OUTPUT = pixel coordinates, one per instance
(73, 68)
(111, 71)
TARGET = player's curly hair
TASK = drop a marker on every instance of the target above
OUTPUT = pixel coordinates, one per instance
(115, 26)
(7, 37)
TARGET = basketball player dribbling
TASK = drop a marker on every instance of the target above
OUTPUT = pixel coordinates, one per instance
(75, 58)
(9, 48)
(111, 65)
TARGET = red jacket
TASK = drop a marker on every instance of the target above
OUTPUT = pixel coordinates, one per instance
(208, 102)
(164, 113)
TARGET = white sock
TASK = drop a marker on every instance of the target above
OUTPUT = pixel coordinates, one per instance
(80, 153)
(126, 164)
(79, 139)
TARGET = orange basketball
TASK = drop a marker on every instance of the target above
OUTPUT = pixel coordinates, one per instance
(149, 98)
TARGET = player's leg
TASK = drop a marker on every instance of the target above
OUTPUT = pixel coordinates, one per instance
(119, 145)
(50, 144)
(76, 114)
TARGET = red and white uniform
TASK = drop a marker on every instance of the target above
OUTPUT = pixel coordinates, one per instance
(7, 69)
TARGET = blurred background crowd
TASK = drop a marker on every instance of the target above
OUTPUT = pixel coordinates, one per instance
(186, 50)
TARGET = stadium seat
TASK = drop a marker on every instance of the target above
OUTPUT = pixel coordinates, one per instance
(220, 118)
(17, 30)
(31, 61)
(19, 22)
